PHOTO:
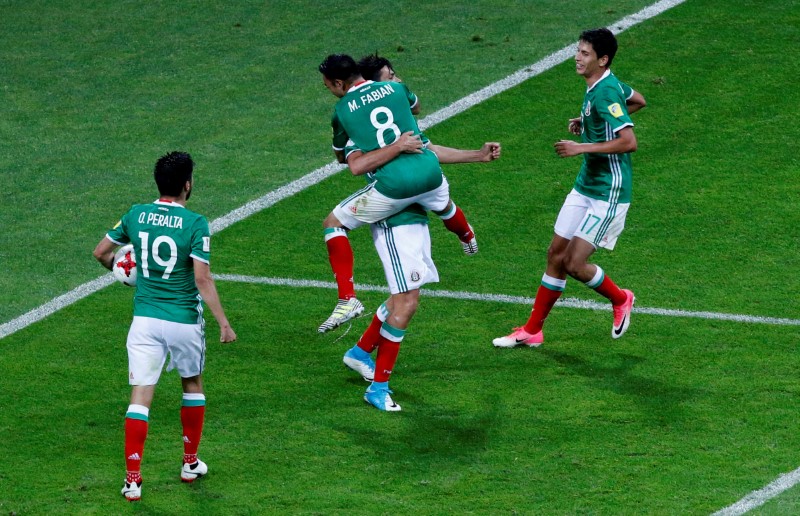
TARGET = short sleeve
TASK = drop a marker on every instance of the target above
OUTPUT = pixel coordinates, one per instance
(201, 240)
(340, 136)
(627, 91)
(350, 148)
(118, 234)
(412, 98)
(612, 109)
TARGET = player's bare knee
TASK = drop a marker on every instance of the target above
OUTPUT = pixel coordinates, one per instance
(573, 265)
(556, 257)
(410, 306)
(405, 306)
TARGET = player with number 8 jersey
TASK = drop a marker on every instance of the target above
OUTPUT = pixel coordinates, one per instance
(373, 115)
(374, 120)
(166, 237)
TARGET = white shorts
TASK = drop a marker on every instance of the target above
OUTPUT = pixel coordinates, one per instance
(368, 205)
(405, 252)
(149, 341)
(598, 222)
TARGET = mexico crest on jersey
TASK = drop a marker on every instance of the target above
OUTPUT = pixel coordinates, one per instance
(588, 110)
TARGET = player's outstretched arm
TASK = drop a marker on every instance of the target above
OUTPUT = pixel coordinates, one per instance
(208, 289)
(490, 151)
(361, 163)
(104, 252)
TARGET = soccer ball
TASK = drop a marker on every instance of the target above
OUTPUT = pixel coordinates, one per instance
(124, 266)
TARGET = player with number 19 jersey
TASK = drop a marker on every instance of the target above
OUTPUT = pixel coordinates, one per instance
(372, 115)
(166, 237)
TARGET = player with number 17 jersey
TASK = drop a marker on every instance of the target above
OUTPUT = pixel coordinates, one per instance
(607, 177)
(372, 115)
(166, 237)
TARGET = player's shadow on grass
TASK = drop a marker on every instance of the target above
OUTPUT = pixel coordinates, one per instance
(443, 436)
(661, 402)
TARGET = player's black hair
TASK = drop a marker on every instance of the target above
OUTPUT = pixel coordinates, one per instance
(172, 171)
(370, 66)
(603, 42)
(339, 66)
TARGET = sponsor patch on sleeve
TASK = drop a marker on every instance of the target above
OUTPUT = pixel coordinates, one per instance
(118, 224)
(206, 244)
(616, 110)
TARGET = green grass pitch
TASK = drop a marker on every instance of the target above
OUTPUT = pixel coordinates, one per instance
(682, 416)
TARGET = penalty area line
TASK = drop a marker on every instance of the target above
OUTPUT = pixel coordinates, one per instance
(520, 300)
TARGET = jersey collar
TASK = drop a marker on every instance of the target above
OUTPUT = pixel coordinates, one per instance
(606, 74)
(162, 202)
(358, 85)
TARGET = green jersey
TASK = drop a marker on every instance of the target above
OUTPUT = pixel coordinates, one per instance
(373, 115)
(414, 214)
(166, 238)
(607, 177)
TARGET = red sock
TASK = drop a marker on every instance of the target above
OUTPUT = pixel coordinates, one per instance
(458, 224)
(135, 436)
(545, 299)
(371, 337)
(610, 290)
(340, 255)
(192, 416)
(387, 356)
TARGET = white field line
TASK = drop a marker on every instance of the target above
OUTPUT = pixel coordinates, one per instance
(521, 300)
(318, 175)
(758, 498)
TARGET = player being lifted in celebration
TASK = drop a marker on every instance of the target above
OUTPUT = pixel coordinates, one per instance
(379, 115)
(593, 214)
(173, 248)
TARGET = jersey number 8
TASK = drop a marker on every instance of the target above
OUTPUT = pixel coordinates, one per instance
(382, 127)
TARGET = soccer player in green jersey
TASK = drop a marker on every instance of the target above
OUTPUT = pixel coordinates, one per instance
(403, 244)
(593, 214)
(172, 247)
(374, 116)
(394, 179)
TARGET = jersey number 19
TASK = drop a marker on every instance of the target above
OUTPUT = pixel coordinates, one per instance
(168, 264)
